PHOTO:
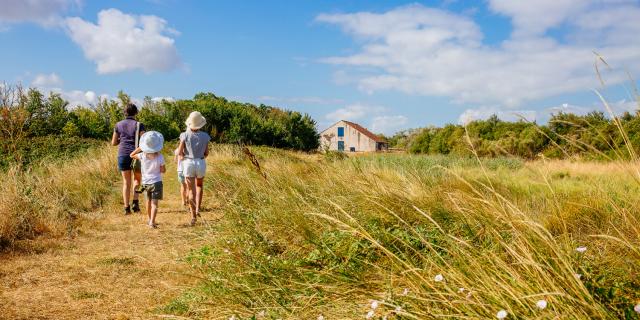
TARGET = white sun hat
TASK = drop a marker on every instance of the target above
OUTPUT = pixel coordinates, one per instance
(151, 141)
(195, 120)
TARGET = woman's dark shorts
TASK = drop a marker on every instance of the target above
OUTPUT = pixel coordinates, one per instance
(124, 164)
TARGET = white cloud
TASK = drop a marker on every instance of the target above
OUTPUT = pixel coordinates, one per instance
(44, 12)
(433, 52)
(388, 124)
(353, 112)
(51, 80)
(122, 42)
(300, 100)
(484, 113)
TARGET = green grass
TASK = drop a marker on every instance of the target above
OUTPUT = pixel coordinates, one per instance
(328, 236)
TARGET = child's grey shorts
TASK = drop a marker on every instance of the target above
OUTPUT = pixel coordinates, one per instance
(153, 191)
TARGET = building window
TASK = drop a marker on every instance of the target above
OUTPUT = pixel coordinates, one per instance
(340, 145)
(340, 131)
(352, 149)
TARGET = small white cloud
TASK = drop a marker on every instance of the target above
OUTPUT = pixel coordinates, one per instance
(484, 113)
(122, 42)
(353, 112)
(388, 124)
(51, 80)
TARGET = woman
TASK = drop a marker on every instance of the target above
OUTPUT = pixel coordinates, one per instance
(124, 136)
(193, 149)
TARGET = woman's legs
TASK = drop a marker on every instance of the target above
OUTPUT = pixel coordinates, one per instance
(199, 186)
(184, 193)
(137, 177)
(191, 184)
(126, 187)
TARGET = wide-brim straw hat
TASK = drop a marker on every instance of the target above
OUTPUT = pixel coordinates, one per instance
(195, 120)
(151, 142)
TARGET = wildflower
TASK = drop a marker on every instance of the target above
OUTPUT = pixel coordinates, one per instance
(370, 314)
(501, 314)
(405, 292)
(541, 304)
(398, 309)
(374, 304)
(581, 249)
(460, 290)
(320, 317)
(636, 308)
(578, 276)
(233, 317)
(438, 278)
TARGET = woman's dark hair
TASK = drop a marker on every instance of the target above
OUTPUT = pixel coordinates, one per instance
(130, 110)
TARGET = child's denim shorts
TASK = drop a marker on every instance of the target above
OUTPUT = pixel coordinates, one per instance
(180, 177)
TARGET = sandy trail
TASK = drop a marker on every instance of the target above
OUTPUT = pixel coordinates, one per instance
(116, 268)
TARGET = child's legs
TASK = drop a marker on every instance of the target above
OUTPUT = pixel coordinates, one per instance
(126, 187)
(153, 211)
(149, 204)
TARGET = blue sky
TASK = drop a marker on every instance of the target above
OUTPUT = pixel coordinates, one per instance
(388, 65)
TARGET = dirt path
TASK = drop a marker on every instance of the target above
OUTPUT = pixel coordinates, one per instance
(117, 268)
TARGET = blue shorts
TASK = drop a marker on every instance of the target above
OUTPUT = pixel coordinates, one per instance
(124, 163)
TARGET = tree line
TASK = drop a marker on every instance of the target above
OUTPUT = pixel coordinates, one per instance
(565, 135)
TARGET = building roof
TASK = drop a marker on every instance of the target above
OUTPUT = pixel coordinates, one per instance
(362, 130)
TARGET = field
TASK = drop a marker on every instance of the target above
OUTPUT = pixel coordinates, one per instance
(296, 236)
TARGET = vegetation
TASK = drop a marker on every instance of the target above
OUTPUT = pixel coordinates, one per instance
(566, 134)
(28, 115)
(49, 199)
(418, 236)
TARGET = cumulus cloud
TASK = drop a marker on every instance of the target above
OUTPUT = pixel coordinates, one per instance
(353, 112)
(483, 113)
(121, 42)
(388, 124)
(51, 80)
(44, 12)
(433, 52)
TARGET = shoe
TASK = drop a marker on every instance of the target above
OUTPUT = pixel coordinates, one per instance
(127, 210)
(135, 206)
(193, 222)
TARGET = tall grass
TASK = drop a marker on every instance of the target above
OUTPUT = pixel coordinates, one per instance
(328, 238)
(48, 198)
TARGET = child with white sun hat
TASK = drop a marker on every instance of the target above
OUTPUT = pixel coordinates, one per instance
(193, 149)
(152, 167)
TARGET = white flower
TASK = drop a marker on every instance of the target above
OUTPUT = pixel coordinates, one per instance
(398, 309)
(581, 249)
(578, 276)
(501, 314)
(460, 290)
(541, 304)
(233, 317)
(636, 308)
(438, 278)
(320, 317)
(370, 314)
(405, 292)
(374, 304)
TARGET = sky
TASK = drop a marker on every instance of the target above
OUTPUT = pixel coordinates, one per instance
(387, 65)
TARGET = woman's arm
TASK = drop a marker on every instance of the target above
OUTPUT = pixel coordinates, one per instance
(134, 154)
(115, 138)
(181, 150)
(206, 151)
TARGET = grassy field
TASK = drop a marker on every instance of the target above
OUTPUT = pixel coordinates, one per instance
(303, 236)
(417, 237)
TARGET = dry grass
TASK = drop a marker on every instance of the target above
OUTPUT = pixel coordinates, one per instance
(114, 268)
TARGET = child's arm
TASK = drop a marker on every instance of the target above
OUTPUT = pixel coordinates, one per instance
(163, 169)
(134, 154)
(115, 138)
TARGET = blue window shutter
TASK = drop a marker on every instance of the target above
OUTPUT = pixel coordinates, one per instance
(340, 131)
